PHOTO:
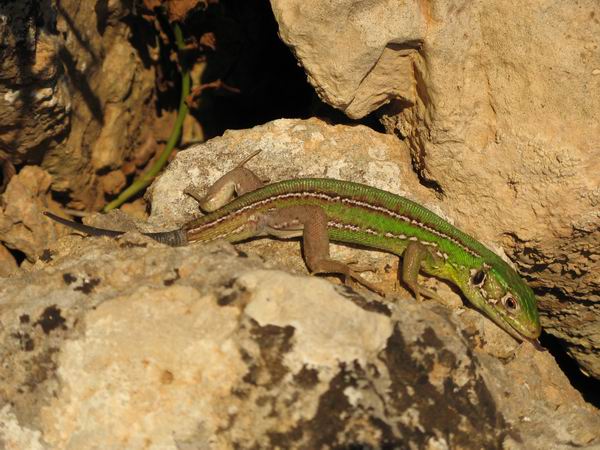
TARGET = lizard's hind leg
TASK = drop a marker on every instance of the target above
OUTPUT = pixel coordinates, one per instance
(236, 182)
(311, 221)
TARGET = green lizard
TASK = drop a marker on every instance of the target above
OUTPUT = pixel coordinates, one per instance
(324, 210)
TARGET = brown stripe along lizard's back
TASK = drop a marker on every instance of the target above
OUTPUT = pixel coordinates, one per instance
(321, 210)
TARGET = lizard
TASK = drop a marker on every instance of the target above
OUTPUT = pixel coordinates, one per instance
(239, 206)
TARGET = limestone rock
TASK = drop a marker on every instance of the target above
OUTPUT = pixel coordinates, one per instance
(356, 53)
(129, 344)
(8, 263)
(73, 92)
(34, 98)
(22, 225)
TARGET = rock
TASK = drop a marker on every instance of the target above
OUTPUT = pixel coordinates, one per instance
(355, 78)
(8, 263)
(501, 120)
(34, 99)
(22, 225)
(130, 344)
(74, 92)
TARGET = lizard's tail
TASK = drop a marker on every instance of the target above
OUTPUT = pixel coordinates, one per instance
(173, 238)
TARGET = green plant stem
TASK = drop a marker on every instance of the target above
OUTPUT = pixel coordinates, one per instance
(160, 162)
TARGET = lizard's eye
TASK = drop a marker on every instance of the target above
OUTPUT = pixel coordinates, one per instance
(478, 278)
(510, 303)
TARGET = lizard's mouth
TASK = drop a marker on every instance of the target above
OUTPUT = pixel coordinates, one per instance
(521, 336)
(518, 330)
(533, 340)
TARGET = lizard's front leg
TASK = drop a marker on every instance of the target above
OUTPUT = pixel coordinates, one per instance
(414, 257)
(311, 223)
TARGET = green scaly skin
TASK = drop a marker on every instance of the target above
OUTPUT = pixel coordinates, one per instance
(372, 218)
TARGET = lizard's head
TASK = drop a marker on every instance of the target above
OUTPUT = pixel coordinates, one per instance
(500, 293)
